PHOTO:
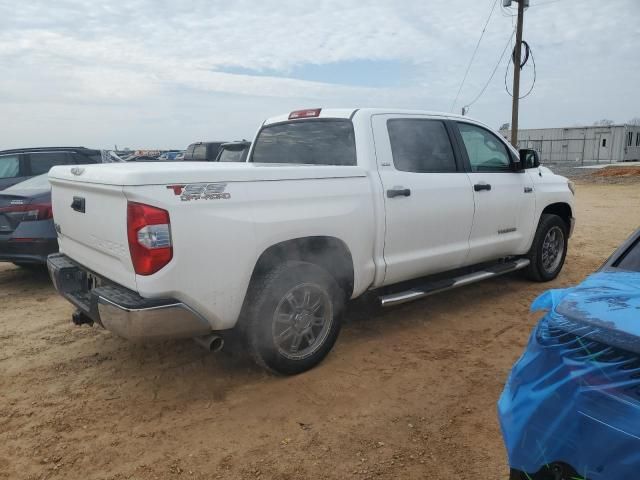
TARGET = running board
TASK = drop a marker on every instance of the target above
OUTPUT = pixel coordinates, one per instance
(430, 288)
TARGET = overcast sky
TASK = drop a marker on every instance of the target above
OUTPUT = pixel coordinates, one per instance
(162, 73)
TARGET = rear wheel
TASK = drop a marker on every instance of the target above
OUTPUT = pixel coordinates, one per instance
(292, 317)
(549, 249)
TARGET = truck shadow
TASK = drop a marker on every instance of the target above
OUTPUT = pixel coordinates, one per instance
(31, 276)
(181, 372)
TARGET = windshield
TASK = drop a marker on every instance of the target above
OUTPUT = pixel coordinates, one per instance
(316, 142)
(631, 258)
(9, 166)
(41, 182)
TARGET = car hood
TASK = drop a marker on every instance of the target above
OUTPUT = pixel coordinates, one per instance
(607, 303)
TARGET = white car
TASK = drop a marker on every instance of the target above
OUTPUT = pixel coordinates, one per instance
(330, 204)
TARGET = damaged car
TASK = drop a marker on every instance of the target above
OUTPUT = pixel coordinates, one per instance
(571, 406)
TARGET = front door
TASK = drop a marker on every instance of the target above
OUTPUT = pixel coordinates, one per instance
(427, 196)
(504, 199)
(605, 148)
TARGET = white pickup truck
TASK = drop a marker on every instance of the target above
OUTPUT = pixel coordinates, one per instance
(330, 204)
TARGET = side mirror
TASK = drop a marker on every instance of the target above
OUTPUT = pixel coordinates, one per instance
(529, 158)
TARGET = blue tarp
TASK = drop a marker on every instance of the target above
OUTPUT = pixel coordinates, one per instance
(574, 395)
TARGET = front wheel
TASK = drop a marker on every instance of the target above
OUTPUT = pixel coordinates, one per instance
(292, 317)
(549, 249)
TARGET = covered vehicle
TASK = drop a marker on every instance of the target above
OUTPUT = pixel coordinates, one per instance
(27, 232)
(571, 406)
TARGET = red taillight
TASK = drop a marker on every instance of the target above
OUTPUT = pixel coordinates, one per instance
(28, 212)
(309, 113)
(149, 233)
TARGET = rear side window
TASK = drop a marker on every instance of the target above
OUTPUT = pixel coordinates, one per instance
(200, 152)
(232, 155)
(42, 162)
(314, 142)
(420, 145)
(9, 166)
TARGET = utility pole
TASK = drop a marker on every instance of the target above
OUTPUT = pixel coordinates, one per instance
(516, 71)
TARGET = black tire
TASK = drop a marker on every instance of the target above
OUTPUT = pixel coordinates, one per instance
(282, 293)
(541, 269)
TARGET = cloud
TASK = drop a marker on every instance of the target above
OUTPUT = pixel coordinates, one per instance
(145, 63)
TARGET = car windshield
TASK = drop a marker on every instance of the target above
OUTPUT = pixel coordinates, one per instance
(316, 142)
(631, 258)
(9, 166)
(40, 182)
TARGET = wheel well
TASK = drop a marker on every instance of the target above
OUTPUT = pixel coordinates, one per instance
(329, 253)
(563, 210)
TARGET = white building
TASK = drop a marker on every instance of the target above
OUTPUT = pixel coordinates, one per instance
(609, 144)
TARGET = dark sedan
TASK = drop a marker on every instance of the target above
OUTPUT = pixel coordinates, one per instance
(27, 233)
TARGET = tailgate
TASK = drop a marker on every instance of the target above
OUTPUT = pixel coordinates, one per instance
(91, 220)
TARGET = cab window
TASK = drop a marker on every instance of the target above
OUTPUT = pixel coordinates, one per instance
(485, 151)
(420, 145)
(200, 152)
(315, 142)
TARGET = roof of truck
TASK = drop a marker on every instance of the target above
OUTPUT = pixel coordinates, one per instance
(350, 112)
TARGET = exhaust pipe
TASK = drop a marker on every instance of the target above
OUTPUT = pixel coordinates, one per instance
(211, 342)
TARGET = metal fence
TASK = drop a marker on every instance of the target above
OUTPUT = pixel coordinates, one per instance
(573, 150)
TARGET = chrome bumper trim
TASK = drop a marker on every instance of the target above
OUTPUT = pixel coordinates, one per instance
(163, 322)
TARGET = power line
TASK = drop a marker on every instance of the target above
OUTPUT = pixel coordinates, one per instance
(504, 50)
(474, 54)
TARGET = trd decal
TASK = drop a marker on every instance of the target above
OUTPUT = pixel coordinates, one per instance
(200, 191)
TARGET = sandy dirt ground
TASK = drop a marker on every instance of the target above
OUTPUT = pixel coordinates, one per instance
(408, 392)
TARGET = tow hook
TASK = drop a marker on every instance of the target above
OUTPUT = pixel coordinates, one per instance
(80, 318)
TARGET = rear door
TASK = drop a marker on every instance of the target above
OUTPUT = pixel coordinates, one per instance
(504, 199)
(428, 197)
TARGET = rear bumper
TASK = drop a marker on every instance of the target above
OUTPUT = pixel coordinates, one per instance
(120, 310)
